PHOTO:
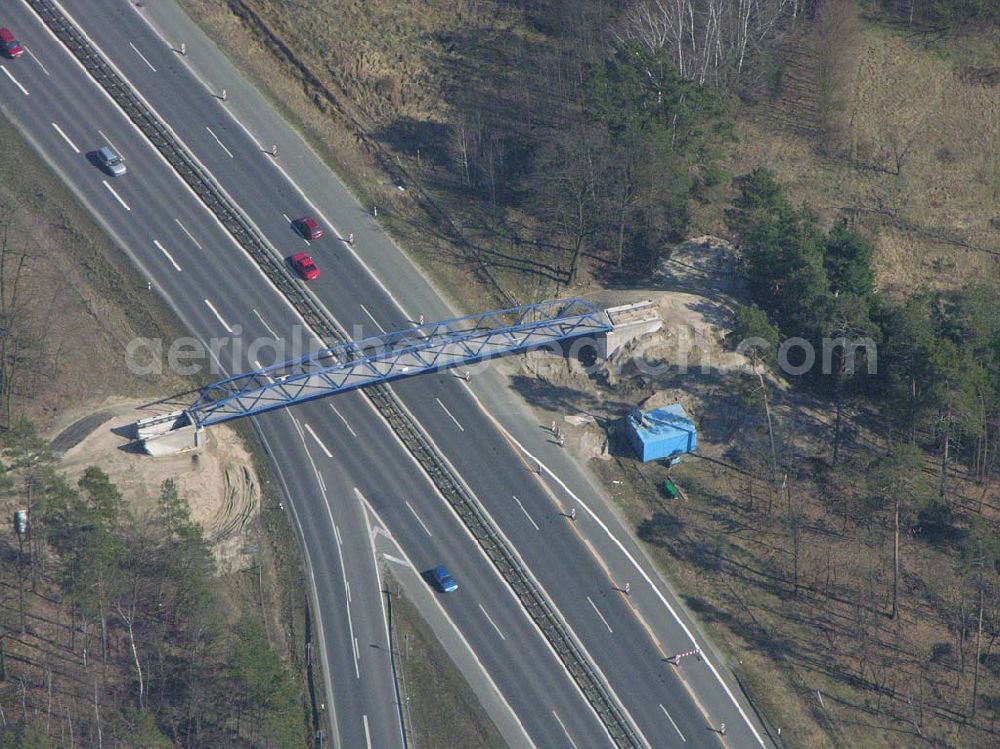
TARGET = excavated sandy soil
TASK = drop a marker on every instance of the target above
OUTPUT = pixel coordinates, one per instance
(696, 291)
(218, 481)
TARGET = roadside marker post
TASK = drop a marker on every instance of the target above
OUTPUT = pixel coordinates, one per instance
(675, 660)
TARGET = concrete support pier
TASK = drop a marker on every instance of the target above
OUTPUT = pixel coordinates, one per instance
(630, 321)
(167, 434)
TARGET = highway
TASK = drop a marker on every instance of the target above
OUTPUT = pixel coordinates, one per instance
(329, 451)
(165, 228)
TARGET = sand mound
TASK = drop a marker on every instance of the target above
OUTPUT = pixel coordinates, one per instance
(218, 481)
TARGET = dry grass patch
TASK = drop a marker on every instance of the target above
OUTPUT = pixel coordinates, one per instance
(871, 124)
(356, 78)
(822, 660)
(89, 303)
(81, 301)
(441, 708)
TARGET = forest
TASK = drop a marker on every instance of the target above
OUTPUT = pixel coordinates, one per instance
(851, 543)
(138, 645)
(843, 549)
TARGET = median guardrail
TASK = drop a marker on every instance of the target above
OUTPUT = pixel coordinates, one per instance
(384, 399)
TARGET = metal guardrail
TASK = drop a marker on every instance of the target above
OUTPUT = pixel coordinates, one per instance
(464, 503)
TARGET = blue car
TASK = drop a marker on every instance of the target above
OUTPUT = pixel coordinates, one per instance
(443, 579)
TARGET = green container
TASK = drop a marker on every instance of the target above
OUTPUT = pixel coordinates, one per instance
(669, 489)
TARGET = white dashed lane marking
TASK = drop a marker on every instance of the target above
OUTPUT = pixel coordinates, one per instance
(14, 81)
(221, 144)
(117, 197)
(189, 234)
(318, 441)
(220, 318)
(66, 138)
(170, 257)
(142, 56)
(445, 409)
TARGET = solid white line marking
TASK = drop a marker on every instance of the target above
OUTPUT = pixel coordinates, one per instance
(389, 294)
(614, 539)
(211, 89)
(530, 520)
(264, 323)
(329, 514)
(404, 560)
(162, 249)
(219, 142)
(450, 414)
(189, 234)
(368, 736)
(66, 138)
(224, 323)
(563, 726)
(673, 724)
(36, 60)
(598, 611)
(142, 56)
(319, 480)
(318, 442)
(422, 524)
(108, 141)
(15, 81)
(319, 214)
(392, 297)
(385, 618)
(490, 620)
(370, 317)
(117, 196)
(353, 434)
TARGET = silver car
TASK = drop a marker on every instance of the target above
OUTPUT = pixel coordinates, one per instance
(111, 162)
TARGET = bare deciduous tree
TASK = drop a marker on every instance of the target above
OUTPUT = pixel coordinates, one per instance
(25, 322)
(573, 164)
(710, 40)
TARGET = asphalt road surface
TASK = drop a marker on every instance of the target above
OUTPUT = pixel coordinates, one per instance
(196, 265)
(327, 451)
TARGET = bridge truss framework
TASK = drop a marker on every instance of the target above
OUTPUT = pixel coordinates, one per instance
(391, 356)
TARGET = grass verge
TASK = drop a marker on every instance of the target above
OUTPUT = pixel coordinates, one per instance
(441, 708)
(91, 301)
(292, 52)
(82, 300)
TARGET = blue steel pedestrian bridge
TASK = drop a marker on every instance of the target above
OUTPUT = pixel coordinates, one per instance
(391, 356)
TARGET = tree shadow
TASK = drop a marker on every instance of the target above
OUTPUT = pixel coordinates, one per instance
(564, 398)
(425, 139)
(757, 637)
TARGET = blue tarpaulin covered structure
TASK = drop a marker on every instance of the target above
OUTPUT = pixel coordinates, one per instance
(661, 433)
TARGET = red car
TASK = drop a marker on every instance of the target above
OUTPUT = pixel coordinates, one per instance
(308, 228)
(9, 45)
(305, 266)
